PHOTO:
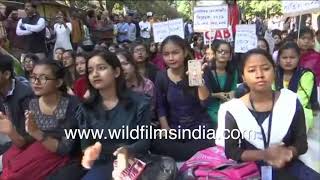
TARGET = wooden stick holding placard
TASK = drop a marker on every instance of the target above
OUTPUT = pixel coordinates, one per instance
(210, 33)
(210, 38)
(299, 26)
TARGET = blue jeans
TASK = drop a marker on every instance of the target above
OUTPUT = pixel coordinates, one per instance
(99, 172)
(295, 170)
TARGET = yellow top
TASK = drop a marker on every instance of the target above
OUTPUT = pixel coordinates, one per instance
(304, 93)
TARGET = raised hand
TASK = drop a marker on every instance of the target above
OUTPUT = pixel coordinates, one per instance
(90, 155)
(31, 125)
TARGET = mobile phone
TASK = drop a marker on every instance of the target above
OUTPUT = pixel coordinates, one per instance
(195, 73)
(121, 160)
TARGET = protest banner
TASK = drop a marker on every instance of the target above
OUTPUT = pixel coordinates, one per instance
(295, 8)
(161, 30)
(176, 27)
(211, 17)
(224, 34)
(246, 38)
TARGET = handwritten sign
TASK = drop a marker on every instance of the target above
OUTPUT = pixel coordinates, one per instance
(246, 38)
(211, 17)
(294, 8)
(176, 27)
(224, 34)
(161, 30)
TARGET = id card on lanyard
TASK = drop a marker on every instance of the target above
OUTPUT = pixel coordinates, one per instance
(266, 171)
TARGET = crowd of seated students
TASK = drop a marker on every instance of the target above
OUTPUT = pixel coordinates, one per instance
(143, 84)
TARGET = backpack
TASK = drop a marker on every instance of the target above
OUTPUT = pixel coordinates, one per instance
(159, 167)
(211, 163)
(313, 99)
(162, 82)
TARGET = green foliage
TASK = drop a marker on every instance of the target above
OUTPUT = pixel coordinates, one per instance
(184, 7)
(163, 7)
(264, 8)
(170, 8)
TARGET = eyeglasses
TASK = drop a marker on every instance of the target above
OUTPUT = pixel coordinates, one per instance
(41, 79)
(28, 62)
(139, 50)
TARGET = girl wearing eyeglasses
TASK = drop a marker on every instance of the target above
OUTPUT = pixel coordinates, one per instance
(28, 64)
(46, 147)
(221, 79)
(140, 56)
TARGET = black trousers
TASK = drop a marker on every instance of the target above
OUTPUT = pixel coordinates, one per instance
(178, 149)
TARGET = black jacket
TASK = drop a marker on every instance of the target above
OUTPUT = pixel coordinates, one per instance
(15, 105)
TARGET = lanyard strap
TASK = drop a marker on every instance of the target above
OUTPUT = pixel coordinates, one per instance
(221, 89)
(266, 140)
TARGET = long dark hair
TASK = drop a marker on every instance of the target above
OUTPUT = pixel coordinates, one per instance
(130, 60)
(34, 59)
(58, 72)
(295, 82)
(280, 70)
(255, 51)
(230, 70)
(266, 42)
(121, 88)
(216, 46)
(177, 40)
(247, 55)
(69, 76)
(83, 55)
(288, 45)
(136, 44)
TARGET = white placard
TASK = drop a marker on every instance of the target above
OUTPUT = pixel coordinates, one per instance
(294, 8)
(246, 38)
(161, 30)
(211, 17)
(176, 27)
(224, 34)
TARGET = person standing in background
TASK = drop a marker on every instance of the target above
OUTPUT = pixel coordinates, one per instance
(234, 14)
(33, 28)
(188, 30)
(132, 34)
(309, 58)
(17, 44)
(77, 32)
(145, 30)
(62, 30)
(3, 32)
(135, 20)
(122, 30)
